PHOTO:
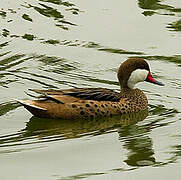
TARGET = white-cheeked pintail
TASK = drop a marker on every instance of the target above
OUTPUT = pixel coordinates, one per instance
(96, 102)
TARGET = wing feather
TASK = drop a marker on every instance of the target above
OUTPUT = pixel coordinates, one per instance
(97, 94)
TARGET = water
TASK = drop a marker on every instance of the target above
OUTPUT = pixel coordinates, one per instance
(63, 44)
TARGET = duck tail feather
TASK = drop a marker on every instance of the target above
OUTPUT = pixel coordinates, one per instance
(28, 105)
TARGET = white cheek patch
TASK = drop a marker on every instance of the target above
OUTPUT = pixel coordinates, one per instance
(139, 75)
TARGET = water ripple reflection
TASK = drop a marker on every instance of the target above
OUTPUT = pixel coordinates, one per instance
(66, 43)
(40, 130)
(137, 141)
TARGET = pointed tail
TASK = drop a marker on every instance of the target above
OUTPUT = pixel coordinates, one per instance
(35, 110)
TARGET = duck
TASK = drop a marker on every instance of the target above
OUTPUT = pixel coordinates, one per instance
(88, 103)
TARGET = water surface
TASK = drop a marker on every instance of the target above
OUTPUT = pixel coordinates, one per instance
(63, 44)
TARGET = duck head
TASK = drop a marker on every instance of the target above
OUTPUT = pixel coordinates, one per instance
(135, 70)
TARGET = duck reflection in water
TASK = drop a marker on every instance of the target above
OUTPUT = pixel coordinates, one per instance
(138, 145)
(40, 130)
(79, 127)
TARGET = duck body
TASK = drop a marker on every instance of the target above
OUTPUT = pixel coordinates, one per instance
(95, 102)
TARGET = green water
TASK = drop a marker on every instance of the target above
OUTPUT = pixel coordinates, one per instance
(63, 44)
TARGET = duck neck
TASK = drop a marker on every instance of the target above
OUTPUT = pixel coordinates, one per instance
(125, 92)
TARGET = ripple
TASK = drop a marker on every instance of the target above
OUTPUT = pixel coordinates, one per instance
(46, 8)
(4, 44)
(158, 8)
(174, 59)
(81, 176)
(8, 106)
